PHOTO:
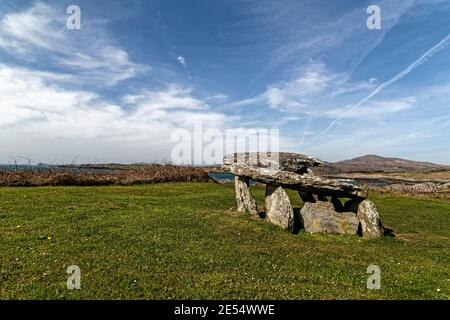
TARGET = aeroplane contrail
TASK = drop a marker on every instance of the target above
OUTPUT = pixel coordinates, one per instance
(424, 58)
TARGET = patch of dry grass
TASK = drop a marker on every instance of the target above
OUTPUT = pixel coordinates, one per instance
(140, 175)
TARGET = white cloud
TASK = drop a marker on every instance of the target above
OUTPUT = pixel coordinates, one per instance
(375, 110)
(219, 97)
(310, 92)
(40, 33)
(181, 60)
(175, 97)
(42, 116)
(35, 106)
(295, 95)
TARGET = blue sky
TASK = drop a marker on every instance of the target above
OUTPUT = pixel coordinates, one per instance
(138, 70)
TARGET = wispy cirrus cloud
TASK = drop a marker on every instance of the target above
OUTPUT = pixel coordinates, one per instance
(310, 92)
(375, 110)
(297, 31)
(182, 60)
(421, 60)
(39, 33)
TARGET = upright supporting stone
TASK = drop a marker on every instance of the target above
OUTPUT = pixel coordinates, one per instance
(322, 198)
(244, 199)
(321, 217)
(278, 207)
(369, 218)
(307, 197)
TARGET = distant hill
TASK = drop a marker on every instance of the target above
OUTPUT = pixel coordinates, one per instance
(373, 163)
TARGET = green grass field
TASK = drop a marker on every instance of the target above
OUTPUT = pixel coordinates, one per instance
(182, 241)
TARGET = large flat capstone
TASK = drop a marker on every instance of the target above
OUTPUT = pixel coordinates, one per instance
(302, 182)
(284, 161)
